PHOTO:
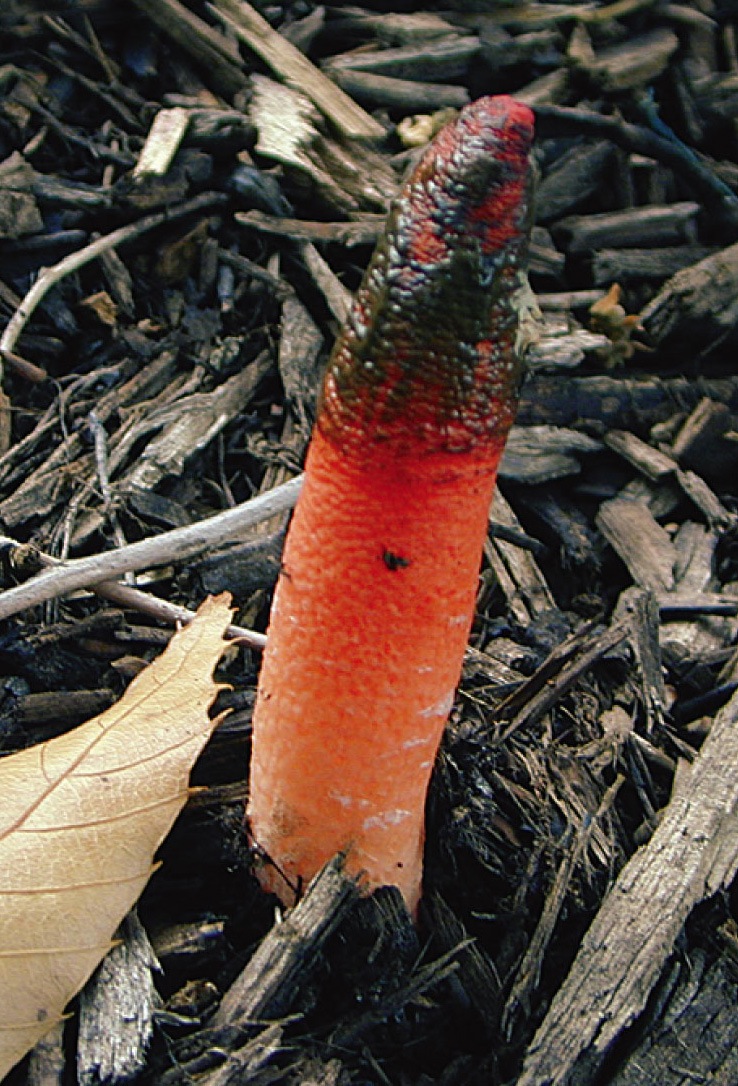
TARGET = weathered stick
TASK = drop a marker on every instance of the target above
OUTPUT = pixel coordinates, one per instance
(177, 545)
(692, 854)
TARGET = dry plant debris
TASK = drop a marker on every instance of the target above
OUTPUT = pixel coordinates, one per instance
(188, 195)
(83, 815)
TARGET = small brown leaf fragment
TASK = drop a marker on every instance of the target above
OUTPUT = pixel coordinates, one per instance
(82, 816)
(102, 306)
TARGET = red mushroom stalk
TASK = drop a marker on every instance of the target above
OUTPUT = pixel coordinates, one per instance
(376, 596)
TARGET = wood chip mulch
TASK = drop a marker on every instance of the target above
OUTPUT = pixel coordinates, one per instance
(188, 195)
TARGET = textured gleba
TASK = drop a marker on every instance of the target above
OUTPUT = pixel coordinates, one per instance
(376, 595)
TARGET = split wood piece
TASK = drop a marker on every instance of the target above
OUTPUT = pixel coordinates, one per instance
(120, 282)
(298, 362)
(539, 454)
(212, 129)
(616, 401)
(38, 492)
(116, 1009)
(694, 567)
(715, 92)
(266, 987)
(24, 560)
(362, 231)
(692, 855)
(296, 70)
(218, 796)
(8, 296)
(635, 63)
(704, 442)
(19, 213)
(516, 570)
(47, 1059)
(563, 667)
(573, 178)
(54, 711)
(241, 569)
(393, 27)
(42, 248)
(504, 53)
(699, 304)
(49, 277)
(622, 8)
(651, 462)
(402, 95)
(567, 300)
(543, 256)
(640, 609)
(706, 423)
(211, 50)
(345, 178)
(184, 427)
(670, 224)
(563, 349)
(499, 664)
(693, 1036)
(175, 546)
(164, 139)
(517, 537)
(663, 497)
(564, 524)
(435, 61)
(697, 490)
(643, 545)
(684, 564)
(632, 266)
(32, 560)
(17, 463)
(695, 547)
(338, 299)
(546, 90)
(660, 467)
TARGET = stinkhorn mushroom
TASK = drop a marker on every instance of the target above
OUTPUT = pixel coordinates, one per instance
(376, 593)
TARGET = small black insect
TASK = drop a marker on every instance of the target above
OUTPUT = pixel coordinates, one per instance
(394, 561)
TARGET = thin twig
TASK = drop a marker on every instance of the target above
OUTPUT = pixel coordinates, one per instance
(49, 277)
(136, 600)
(175, 546)
(100, 440)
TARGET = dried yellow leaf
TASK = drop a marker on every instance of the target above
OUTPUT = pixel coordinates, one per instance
(81, 817)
